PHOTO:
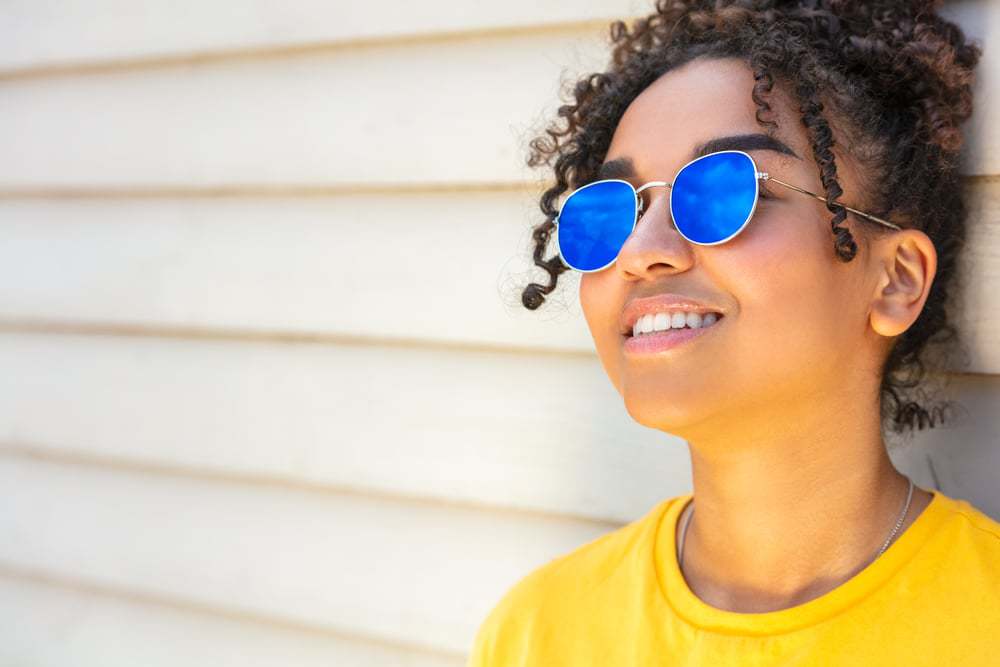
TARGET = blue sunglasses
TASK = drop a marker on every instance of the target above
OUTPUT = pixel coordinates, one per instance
(712, 199)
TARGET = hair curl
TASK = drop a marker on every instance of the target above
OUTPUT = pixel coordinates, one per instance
(898, 79)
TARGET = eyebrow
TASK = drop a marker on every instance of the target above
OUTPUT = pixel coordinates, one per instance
(623, 167)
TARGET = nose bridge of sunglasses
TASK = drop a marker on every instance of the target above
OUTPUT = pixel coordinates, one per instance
(651, 184)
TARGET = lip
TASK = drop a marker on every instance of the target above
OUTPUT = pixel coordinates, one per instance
(661, 341)
(636, 308)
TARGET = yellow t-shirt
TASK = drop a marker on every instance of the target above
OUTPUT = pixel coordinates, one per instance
(932, 598)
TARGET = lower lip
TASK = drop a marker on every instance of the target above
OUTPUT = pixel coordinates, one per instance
(660, 341)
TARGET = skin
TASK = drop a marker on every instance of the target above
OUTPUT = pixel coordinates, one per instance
(793, 488)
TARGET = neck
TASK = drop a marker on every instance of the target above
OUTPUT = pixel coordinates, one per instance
(790, 513)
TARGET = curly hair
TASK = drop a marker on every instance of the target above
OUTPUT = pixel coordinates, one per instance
(898, 79)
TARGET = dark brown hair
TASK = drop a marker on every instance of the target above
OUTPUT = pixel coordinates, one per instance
(897, 78)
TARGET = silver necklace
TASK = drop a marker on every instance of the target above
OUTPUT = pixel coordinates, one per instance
(885, 545)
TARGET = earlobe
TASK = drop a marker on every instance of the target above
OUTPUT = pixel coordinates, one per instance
(906, 269)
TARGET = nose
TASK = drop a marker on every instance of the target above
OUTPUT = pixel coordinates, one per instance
(654, 247)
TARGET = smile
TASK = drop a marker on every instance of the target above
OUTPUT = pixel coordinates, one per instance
(668, 337)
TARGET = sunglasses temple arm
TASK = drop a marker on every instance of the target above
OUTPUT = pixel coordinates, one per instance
(873, 218)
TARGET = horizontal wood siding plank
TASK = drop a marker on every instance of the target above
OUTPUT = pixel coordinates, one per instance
(976, 307)
(980, 20)
(371, 114)
(522, 431)
(57, 625)
(40, 33)
(960, 458)
(440, 268)
(408, 574)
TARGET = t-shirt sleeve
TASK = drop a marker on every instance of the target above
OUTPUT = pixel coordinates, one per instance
(490, 647)
(502, 639)
(482, 654)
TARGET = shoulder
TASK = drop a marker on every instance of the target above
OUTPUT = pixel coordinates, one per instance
(556, 591)
(967, 518)
(967, 544)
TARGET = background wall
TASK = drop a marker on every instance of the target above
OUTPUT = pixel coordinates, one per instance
(268, 392)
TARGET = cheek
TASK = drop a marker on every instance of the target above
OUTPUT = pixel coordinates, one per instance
(792, 297)
(598, 300)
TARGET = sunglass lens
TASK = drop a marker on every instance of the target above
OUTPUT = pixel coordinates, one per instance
(713, 197)
(594, 223)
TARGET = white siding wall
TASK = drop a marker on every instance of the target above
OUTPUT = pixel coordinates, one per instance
(240, 423)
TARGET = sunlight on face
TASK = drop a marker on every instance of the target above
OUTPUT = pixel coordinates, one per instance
(796, 318)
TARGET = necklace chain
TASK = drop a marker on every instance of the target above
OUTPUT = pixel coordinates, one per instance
(885, 545)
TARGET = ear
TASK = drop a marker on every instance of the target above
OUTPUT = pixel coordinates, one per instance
(905, 264)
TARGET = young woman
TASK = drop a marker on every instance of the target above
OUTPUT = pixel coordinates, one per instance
(764, 205)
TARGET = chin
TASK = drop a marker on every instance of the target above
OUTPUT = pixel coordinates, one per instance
(664, 411)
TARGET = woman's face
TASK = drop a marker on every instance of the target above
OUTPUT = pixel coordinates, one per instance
(796, 319)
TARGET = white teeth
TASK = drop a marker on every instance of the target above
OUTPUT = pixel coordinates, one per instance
(651, 322)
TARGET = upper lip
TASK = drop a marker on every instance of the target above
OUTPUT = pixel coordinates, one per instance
(636, 308)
